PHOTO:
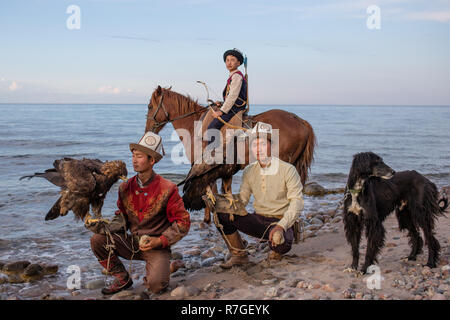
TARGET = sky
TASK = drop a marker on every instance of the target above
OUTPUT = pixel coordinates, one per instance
(299, 52)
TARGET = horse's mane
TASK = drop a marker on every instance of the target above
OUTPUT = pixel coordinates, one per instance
(185, 104)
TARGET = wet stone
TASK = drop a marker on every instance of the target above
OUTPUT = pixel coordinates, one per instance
(95, 284)
(193, 252)
(209, 262)
(208, 254)
(15, 267)
(328, 288)
(336, 219)
(184, 292)
(123, 295)
(3, 279)
(193, 265)
(269, 281)
(438, 296)
(314, 189)
(177, 255)
(272, 292)
(290, 283)
(316, 221)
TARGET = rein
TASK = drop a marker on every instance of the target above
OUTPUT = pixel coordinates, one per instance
(162, 123)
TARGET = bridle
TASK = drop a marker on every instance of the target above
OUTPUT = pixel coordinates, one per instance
(157, 124)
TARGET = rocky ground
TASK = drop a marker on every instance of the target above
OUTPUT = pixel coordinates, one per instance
(313, 269)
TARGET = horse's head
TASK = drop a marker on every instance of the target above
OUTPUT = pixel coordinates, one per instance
(157, 115)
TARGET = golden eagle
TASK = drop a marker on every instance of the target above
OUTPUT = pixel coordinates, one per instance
(83, 183)
(200, 177)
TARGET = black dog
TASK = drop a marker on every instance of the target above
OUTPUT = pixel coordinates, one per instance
(373, 191)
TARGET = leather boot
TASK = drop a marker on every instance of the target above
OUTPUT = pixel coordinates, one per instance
(238, 257)
(275, 256)
(122, 279)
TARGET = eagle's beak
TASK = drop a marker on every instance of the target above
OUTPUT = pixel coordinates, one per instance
(124, 178)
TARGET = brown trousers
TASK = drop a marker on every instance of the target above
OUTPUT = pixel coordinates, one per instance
(256, 225)
(157, 265)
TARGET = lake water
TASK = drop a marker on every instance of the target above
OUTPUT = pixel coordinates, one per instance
(33, 136)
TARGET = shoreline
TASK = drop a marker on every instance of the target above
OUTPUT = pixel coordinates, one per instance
(313, 269)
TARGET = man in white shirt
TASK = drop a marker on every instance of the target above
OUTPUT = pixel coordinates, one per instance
(277, 191)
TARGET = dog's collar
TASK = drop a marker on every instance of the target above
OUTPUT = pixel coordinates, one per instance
(354, 191)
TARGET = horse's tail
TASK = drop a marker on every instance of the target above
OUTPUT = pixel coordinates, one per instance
(306, 157)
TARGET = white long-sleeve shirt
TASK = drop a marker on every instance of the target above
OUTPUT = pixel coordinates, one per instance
(277, 190)
(233, 94)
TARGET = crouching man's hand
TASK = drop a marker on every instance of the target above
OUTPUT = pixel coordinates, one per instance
(275, 229)
(148, 243)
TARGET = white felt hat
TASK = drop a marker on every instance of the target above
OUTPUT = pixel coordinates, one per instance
(150, 144)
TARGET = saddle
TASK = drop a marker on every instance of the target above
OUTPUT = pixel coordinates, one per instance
(239, 120)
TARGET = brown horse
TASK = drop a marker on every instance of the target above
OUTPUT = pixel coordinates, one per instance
(296, 143)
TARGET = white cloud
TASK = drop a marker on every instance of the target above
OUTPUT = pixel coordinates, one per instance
(438, 16)
(109, 90)
(14, 86)
(356, 9)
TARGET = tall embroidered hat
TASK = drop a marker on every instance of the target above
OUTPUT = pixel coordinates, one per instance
(150, 144)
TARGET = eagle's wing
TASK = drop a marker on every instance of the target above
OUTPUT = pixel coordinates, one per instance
(52, 175)
(77, 180)
(53, 213)
(197, 170)
(94, 165)
(77, 176)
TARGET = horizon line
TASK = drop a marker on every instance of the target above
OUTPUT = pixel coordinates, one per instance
(255, 105)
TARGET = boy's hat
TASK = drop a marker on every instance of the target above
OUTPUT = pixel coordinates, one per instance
(263, 130)
(234, 52)
(150, 144)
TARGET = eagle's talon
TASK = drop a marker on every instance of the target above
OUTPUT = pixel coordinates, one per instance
(210, 195)
(230, 199)
(89, 221)
(87, 218)
(356, 272)
(348, 270)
